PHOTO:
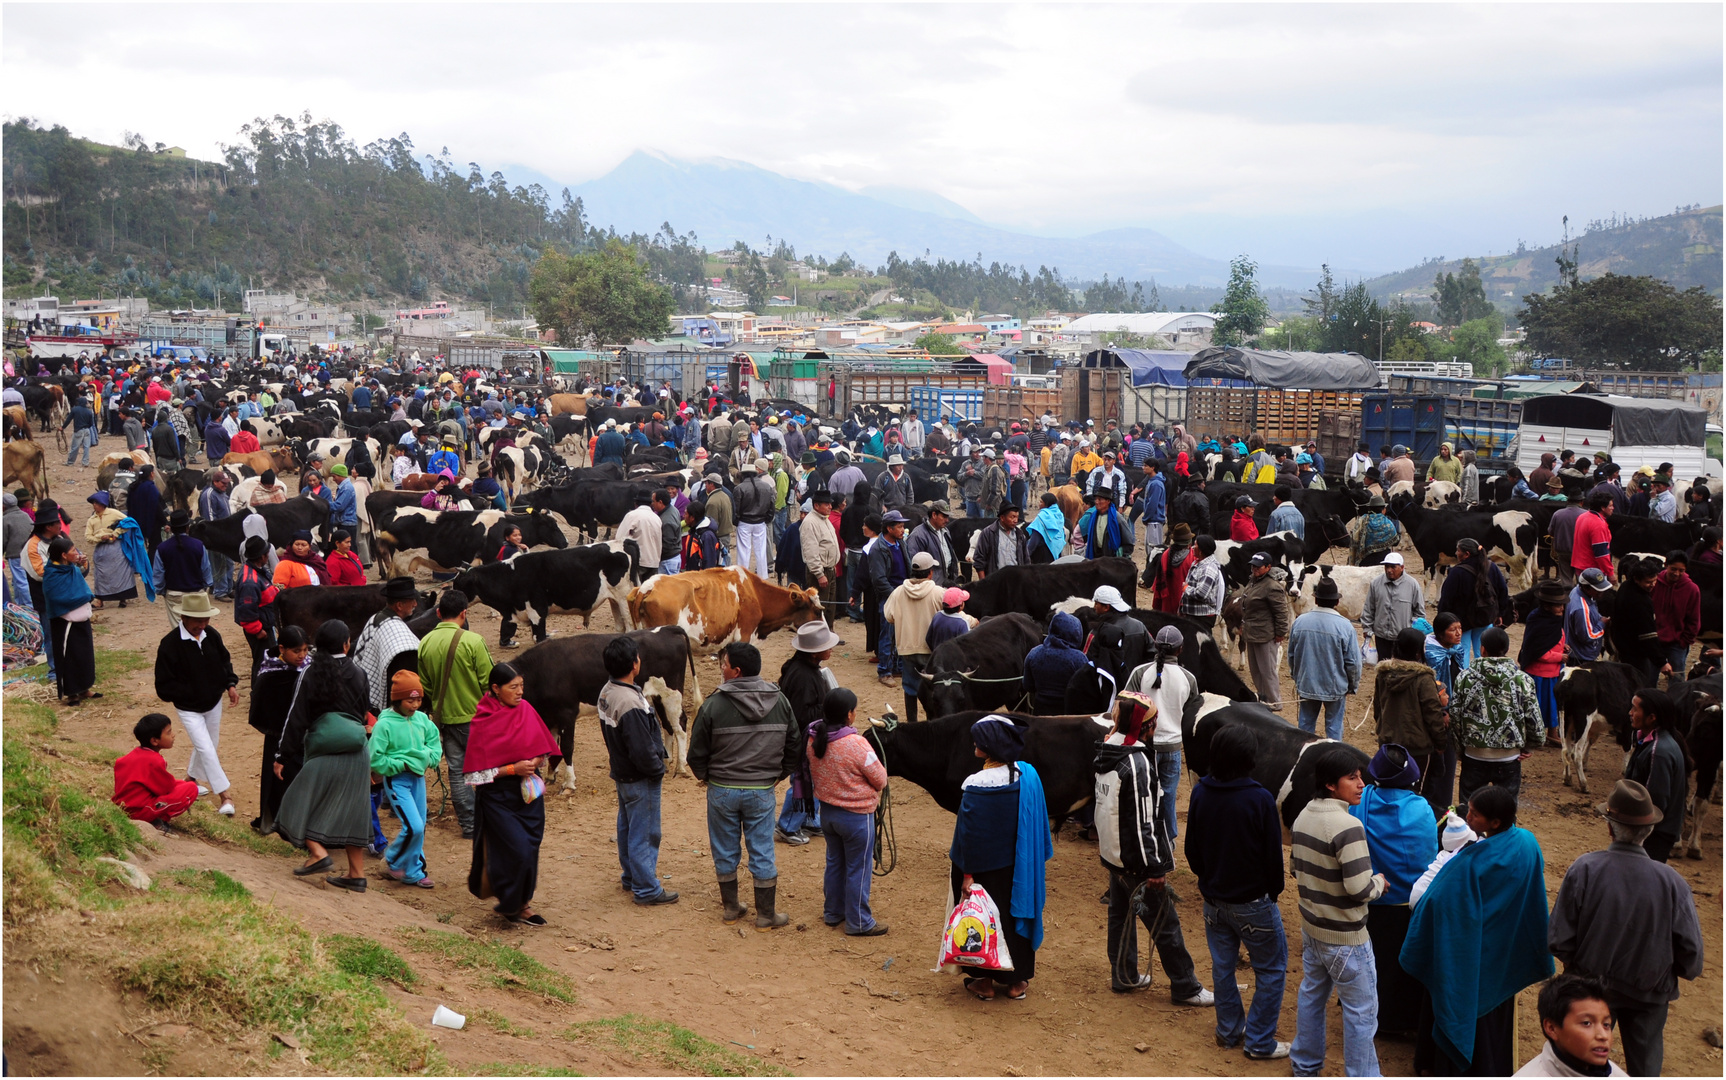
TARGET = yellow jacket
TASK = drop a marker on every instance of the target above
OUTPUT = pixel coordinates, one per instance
(1086, 460)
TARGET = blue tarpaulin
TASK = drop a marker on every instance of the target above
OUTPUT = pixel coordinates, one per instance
(1149, 368)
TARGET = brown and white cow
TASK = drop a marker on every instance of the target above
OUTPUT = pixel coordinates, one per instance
(718, 606)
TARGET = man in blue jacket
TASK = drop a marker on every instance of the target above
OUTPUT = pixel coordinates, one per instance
(637, 754)
(1324, 657)
(1050, 666)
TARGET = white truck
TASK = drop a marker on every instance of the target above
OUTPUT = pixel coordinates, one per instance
(1634, 431)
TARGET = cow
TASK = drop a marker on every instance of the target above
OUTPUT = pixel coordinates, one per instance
(1284, 762)
(109, 466)
(721, 605)
(1199, 652)
(982, 669)
(301, 427)
(26, 464)
(573, 404)
(335, 452)
(282, 459)
(588, 504)
(453, 539)
(938, 755)
(1235, 557)
(1645, 534)
(1704, 740)
(1035, 590)
(1593, 698)
(1326, 512)
(269, 432)
(561, 675)
(1352, 582)
(17, 423)
(1440, 493)
(1509, 537)
(520, 466)
(309, 607)
(284, 519)
(577, 579)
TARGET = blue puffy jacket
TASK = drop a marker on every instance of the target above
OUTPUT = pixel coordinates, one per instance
(1050, 666)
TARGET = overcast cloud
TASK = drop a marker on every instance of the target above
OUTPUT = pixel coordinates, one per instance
(1366, 135)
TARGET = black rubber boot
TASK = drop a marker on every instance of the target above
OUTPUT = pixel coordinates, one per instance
(728, 894)
(766, 917)
(910, 708)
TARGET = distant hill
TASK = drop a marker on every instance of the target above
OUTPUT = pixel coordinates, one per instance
(1683, 249)
(723, 201)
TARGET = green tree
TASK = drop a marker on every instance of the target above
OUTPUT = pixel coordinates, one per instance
(938, 345)
(1460, 297)
(1475, 342)
(1320, 302)
(1242, 310)
(1637, 323)
(605, 294)
(1296, 334)
(1408, 350)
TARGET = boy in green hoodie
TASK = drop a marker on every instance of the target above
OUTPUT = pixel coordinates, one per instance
(405, 744)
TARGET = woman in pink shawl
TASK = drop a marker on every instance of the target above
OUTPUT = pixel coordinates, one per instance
(507, 747)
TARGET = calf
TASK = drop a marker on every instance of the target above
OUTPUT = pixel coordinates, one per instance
(561, 675)
(577, 579)
(1284, 763)
(938, 755)
(1592, 699)
(984, 669)
(310, 606)
(721, 605)
(1035, 590)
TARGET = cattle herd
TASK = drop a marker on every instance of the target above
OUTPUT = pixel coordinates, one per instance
(537, 446)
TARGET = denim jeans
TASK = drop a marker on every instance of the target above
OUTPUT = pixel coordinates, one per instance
(1259, 926)
(18, 584)
(1471, 641)
(973, 508)
(81, 438)
(1309, 711)
(736, 816)
(850, 864)
(638, 835)
(886, 660)
(1475, 775)
(454, 754)
(1678, 656)
(671, 565)
(1169, 779)
(1352, 972)
(792, 818)
(221, 575)
(1546, 694)
(406, 792)
(1171, 946)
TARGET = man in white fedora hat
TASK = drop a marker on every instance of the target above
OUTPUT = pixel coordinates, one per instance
(193, 672)
(805, 680)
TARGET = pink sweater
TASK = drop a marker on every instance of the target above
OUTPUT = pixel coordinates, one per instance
(850, 776)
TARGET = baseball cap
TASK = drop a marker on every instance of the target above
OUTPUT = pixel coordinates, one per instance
(1393, 558)
(1108, 594)
(1594, 578)
(954, 597)
(893, 517)
(1262, 558)
(922, 561)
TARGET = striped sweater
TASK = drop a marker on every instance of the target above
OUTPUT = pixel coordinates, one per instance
(1334, 873)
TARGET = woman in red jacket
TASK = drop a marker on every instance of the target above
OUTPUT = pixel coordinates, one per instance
(344, 566)
(1242, 527)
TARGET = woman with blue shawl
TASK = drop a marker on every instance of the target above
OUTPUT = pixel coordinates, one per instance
(1046, 536)
(1403, 840)
(67, 610)
(1478, 936)
(1001, 841)
(1100, 530)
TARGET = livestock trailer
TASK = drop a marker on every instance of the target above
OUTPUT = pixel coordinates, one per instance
(932, 402)
(1422, 421)
(1280, 416)
(1005, 404)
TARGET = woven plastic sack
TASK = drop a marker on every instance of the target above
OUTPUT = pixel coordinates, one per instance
(973, 934)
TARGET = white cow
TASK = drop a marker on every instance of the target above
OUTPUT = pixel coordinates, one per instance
(1352, 583)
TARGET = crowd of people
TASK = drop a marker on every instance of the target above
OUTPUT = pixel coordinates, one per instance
(1421, 900)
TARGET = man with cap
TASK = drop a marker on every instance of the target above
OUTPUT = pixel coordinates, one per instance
(1118, 642)
(1285, 515)
(755, 496)
(1662, 504)
(1584, 629)
(887, 568)
(1372, 535)
(820, 547)
(449, 457)
(644, 525)
(1445, 466)
(213, 505)
(932, 537)
(993, 495)
(1354, 469)
(181, 565)
(1554, 490)
(1264, 626)
(909, 611)
(1001, 544)
(1393, 602)
(1400, 467)
(1324, 659)
(1630, 922)
(1110, 476)
(971, 481)
(894, 485)
(843, 483)
(1608, 472)
(721, 513)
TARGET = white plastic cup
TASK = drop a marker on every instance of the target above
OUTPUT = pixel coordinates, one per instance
(448, 1018)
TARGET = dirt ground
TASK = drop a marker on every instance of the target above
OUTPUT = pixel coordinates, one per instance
(806, 997)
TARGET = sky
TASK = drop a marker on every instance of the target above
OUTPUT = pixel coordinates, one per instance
(1369, 136)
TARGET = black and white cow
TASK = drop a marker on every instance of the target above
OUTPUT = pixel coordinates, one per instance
(1284, 764)
(309, 607)
(589, 504)
(1508, 536)
(335, 452)
(561, 675)
(984, 669)
(578, 579)
(453, 539)
(1199, 652)
(1593, 699)
(1699, 716)
(284, 519)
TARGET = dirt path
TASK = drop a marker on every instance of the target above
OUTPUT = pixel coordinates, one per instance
(807, 997)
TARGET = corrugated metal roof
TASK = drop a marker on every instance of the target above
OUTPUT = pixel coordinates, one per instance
(1144, 322)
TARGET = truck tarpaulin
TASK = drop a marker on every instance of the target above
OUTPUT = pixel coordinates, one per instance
(1632, 421)
(1293, 370)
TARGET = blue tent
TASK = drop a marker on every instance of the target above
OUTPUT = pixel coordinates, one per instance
(1149, 368)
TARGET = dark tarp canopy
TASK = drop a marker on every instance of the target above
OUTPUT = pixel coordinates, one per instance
(1148, 367)
(1632, 421)
(1286, 370)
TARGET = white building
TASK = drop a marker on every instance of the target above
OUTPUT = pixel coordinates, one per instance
(1176, 327)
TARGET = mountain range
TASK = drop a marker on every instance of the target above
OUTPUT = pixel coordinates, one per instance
(723, 201)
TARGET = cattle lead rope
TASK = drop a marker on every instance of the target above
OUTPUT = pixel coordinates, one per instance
(886, 844)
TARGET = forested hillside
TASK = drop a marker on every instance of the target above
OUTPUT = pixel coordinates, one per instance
(294, 205)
